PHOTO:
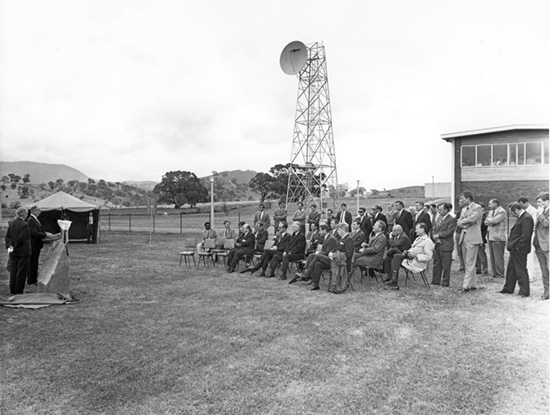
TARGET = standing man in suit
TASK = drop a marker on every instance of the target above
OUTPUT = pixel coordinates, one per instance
(531, 261)
(18, 244)
(262, 216)
(280, 216)
(344, 216)
(540, 241)
(365, 223)
(496, 237)
(481, 262)
(403, 218)
(519, 245)
(294, 251)
(378, 215)
(37, 236)
(470, 238)
(390, 216)
(443, 237)
(244, 247)
(422, 215)
(314, 217)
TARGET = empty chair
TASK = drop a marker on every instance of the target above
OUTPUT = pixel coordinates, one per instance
(189, 249)
(227, 245)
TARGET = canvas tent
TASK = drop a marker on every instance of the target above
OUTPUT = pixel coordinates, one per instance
(64, 206)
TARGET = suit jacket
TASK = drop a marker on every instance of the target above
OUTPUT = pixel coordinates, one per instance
(520, 234)
(443, 235)
(402, 242)
(470, 222)
(358, 238)
(366, 226)
(348, 218)
(374, 251)
(281, 241)
(405, 220)
(265, 219)
(381, 217)
(423, 216)
(423, 250)
(18, 236)
(37, 234)
(329, 244)
(541, 232)
(345, 245)
(261, 238)
(246, 242)
(297, 245)
(496, 224)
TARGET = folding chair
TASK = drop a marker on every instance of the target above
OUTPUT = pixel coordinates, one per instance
(209, 245)
(268, 245)
(228, 244)
(189, 248)
(421, 273)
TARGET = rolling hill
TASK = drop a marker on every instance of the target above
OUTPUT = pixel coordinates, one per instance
(41, 172)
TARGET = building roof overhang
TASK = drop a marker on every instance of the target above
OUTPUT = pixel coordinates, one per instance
(451, 136)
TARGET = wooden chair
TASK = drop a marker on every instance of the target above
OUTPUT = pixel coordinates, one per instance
(228, 244)
(209, 245)
(189, 249)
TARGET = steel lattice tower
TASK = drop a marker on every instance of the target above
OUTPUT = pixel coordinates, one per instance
(312, 172)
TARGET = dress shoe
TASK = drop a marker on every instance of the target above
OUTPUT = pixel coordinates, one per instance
(473, 288)
(315, 288)
(231, 270)
(293, 280)
(503, 291)
(445, 285)
(464, 291)
(283, 277)
(434, 283)
(338, 292)
(270, 276)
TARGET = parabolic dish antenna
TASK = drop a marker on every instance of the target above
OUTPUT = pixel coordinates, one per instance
(293, 57)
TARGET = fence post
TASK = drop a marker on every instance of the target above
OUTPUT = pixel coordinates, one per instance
(181, 223)
(109, 222)
(153, 223)
(130, 222)
(239, 221)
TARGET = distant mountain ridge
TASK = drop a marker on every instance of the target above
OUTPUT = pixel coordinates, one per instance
(41, 172)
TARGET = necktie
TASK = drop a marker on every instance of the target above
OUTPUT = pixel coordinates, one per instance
(342, 217)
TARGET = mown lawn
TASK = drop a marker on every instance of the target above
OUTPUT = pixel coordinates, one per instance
(148, 337)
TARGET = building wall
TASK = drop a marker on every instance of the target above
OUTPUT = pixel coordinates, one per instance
(505, 191)
(437, 190)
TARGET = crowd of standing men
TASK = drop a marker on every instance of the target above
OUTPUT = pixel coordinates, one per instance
(24, 241)
(398, 239)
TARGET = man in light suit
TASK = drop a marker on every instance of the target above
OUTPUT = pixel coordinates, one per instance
(403, 218)
(496, 236)
(37, 236)
(443, 237)
(519, 245)
(470, 238)
(262, 216)
(344, 216)
(540, 240)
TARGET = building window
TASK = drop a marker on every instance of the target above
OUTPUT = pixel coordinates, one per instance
(483, 155)
(500, 155)
(517, 154)
(468, 156)
(534, 153)
(545, 152)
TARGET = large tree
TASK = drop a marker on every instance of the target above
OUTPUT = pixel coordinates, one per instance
(180, 187)
(267, 186)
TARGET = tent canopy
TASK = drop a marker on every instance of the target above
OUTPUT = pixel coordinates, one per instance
(63, 201)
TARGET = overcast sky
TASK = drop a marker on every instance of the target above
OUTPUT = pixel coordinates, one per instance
(130, 89)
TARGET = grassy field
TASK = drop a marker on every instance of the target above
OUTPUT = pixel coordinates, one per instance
(148, 337)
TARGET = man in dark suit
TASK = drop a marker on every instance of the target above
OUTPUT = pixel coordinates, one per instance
(403, 218)
(357, 235)
(329, 244)
(344, 216)
(295, 251)
(260, 236)
(244, 247)
(314, 217)
(398, 242)
(443, 237)
(365, 223)
(18, 244)
(378, 215)
(37, 236)
(262, 216)
(422, 215)
(519, 245)
(371, 255)
(280, 244)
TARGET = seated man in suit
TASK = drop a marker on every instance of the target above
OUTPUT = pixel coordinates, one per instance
(281, 242)
(329, 243)
(260, 236)
(244, 247)
(314, 238)
(208, 233)
(415, 259)
(372, 254)
(357, 235)
(398, 242)
(294, 251)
